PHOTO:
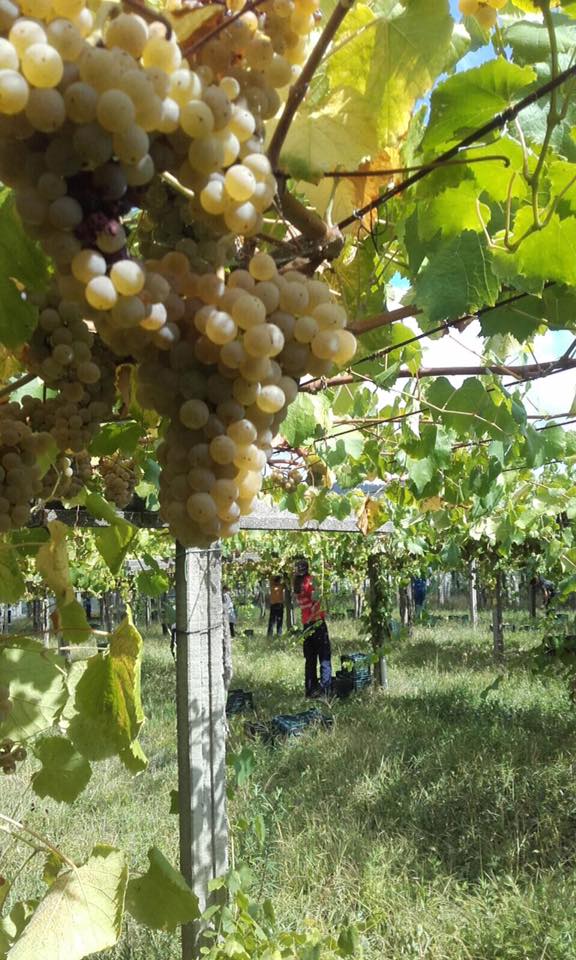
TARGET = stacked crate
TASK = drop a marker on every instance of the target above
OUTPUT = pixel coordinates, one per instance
(355, 673)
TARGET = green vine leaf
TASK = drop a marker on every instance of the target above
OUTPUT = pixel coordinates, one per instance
(12, 585)
(457, 279)
(161, 899)
(467, 101)
(303, 416)
(22, 267)
(64, 772)
(80, 914)
(36, 681)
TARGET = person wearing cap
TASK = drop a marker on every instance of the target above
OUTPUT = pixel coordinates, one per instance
(316, 645)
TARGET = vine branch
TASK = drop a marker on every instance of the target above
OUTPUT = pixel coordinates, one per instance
(528, 371)
(300, 88)
(16, 384)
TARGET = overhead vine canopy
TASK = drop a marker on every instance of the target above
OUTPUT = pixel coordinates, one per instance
(204, 205)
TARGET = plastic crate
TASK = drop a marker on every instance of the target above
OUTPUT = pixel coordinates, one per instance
(294, 724)
(356, 664)
(345, 683)
(238, 701)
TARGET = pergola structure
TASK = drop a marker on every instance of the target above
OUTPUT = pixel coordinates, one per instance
(200, 690)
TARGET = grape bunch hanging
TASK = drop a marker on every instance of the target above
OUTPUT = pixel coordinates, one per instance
(99, 117)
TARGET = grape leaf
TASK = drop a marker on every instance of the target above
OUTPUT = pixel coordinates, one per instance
(52, 563)
(116, 436)
(548, 254)
(457, 279)
(152, 583)
(12, 585)
(161, 899)
(64, 772)
(452, 211)
(37, 687)
(420, 472)
(468, 409)
(81, 912)
(23, 267)
(303, 415)
(466, 101)
(391, 53)
(74, 624)
(114, 542)
(108, 700)
(530, 40)
(522, 318)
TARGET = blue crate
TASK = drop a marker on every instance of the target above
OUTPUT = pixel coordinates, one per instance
(238, 701)
(358, 665)
(294, 724)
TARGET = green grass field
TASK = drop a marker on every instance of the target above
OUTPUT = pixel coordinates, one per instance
(438, 817)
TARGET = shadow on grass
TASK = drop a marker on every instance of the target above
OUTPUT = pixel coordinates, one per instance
(468, 788)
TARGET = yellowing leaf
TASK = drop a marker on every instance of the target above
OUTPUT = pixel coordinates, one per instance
(368, 188)
(340, 133)
(391, 54)
(431, 504)
(371, 516)
(190, 22)
(108, 701)
(52, 563)
(81, 912)
(73, 623)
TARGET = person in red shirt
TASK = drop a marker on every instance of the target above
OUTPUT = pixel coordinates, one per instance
(316, 640)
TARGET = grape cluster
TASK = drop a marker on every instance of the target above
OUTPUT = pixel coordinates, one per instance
(67, 477)
(10, 753)
(484, 11)
(94, 119)
(20, 470)
(119, 478)
(225, 382)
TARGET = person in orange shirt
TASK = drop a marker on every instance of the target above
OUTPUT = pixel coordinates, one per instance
(276, 606)
(316, 646)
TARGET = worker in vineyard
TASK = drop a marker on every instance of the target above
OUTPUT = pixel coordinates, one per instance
(229, 611)
(316, 645)
(276, 617)
(419, 595)
(548, 589)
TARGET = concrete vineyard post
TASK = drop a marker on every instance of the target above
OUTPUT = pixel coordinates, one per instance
(201, 715)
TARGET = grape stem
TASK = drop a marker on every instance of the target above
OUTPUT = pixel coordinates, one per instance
(300, 88)
(384, 319)
(189, 51)
(16, 384)
(336, 174)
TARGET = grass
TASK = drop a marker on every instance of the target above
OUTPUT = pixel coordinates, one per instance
(440, 817)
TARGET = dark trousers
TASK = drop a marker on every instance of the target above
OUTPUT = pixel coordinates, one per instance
(232, 629)
(317, 649)
(276, 618)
